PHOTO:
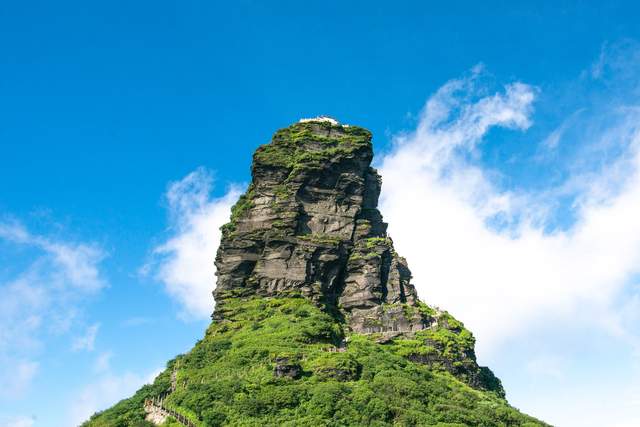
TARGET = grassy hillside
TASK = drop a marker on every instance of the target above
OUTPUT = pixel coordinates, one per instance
(229, 377)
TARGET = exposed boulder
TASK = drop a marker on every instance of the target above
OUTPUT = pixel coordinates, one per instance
(285, 367)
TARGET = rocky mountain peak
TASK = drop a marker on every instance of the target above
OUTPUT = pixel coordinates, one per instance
(309, 225)
(316, 320)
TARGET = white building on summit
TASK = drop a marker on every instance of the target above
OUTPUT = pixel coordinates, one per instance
(325, 119)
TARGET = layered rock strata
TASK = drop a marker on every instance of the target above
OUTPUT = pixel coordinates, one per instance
(309, 224)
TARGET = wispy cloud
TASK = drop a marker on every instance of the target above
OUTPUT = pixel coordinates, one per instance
(103, 392)
(76, 263)
(514, 280)
(552, 140)
(439, 205)
(617, 68)
(21, 421)
(87, 340)
(184, 263)
(41, 300)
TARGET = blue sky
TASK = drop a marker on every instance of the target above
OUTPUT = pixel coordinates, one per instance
(127, 130)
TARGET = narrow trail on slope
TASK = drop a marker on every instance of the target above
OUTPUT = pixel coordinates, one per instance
(156, 410)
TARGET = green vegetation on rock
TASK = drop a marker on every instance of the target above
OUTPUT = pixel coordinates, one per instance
(229, 377)
(244, 204)
(291, 147)
(373, 242)
(326, 239)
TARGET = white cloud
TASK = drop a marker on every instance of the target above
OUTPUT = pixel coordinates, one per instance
(87, 341)
(511, 281)
(76, 263)
(103, 393)
(41, 299)
(439, 206)
(185, 260)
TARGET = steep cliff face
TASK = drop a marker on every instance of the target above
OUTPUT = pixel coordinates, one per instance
(309, 224)
(316, 320)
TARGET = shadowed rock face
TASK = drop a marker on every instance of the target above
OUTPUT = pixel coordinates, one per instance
(309, 225)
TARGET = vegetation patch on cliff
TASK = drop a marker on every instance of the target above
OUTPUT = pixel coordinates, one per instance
(243, 205)
(311, 145)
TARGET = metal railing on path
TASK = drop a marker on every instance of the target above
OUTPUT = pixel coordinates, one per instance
(158, 403)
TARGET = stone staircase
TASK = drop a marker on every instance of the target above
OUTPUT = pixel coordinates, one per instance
(158, 413)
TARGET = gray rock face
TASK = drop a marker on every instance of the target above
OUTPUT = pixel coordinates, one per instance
(309, 225)
(287, 368)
